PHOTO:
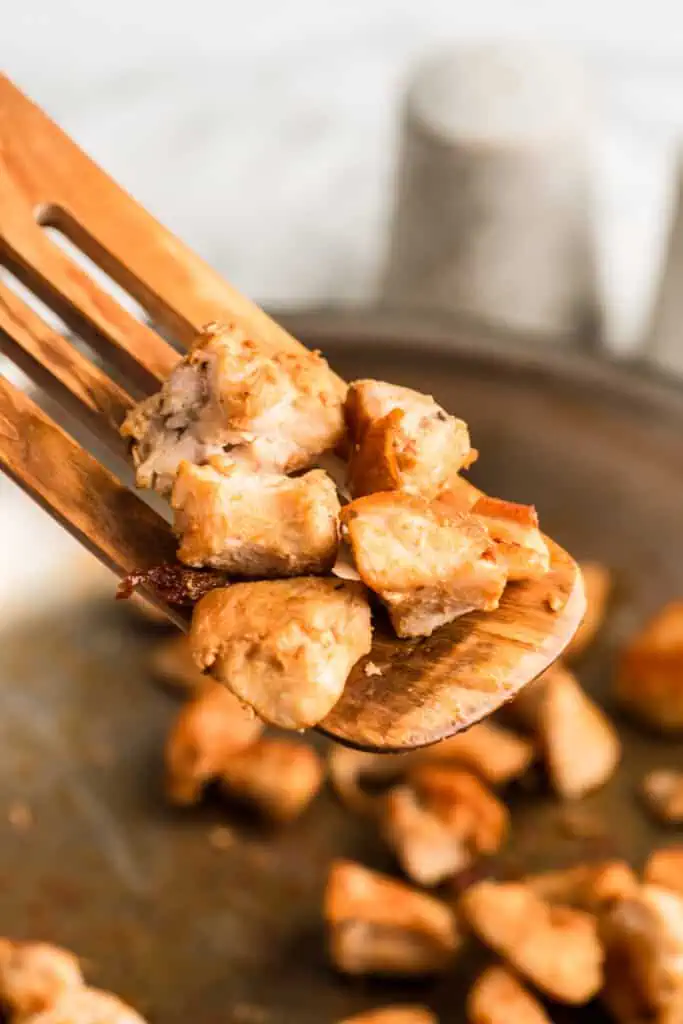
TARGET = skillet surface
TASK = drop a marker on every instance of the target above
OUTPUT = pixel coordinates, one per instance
(187, 932)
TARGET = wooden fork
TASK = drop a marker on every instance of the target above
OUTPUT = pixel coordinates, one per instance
(428, 689)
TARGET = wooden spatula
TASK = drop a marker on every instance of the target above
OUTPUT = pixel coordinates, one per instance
(417, 692)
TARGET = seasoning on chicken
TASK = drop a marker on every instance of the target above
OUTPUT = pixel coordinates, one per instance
(86, 1006)
(34, 975)
(171, 663)
(285, 647)
(663, 793)
(498, 997)
(279, 777)
(664, 868)
(597, 583)
(394, 1015)
(256, 525)
(585, 886)
(643, 940)
(427, 566)
(272, 411)
(649, 680)
(208, 730)
(402, 440)
(379, 926)
(519, 542)
(565, 720)
(555, 947)
(442, 822)
(495, 753)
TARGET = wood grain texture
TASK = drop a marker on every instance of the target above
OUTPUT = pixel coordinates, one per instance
(428, 689)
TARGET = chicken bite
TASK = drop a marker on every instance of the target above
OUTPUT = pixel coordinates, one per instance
(555, 947)
(208, 729)
(664, 868)
(663, 793)
(277, 776)
(379, 926)
(427, 566)
(402, 440)
(253, 525)
(649, 680)
(513, 528)
(586, 886)
(597, 583)
(34, 975)
(285, 647)
(498, 997)
(349, 768)
(643, 940)
(272, 411)
(86, 1006)
(394, 1015)
(495, 753)
(442, 822)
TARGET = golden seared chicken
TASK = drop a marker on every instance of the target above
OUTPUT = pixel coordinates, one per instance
(252, 524)
(285, 647)
(427, 565)
(402, 440)
(514, 530)
(228, 398)
(498, 997)
(278, 776)
(649, 681)
(34, 975)
(86, 1006)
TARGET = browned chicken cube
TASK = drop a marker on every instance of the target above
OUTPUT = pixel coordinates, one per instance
(586, 886)
(663, 794)
(272, 411)
(277, 776)
(440, 823)
(492, 751)
(34, 975)
(426, 565)
(394, 1015)
(664, 868)
(349, 769)
(86, 1006)
(519, 542)
(379, 926)
(643, 940)
(597, 583)
(649, 678)
(498, 997)
(171, 663)
(555, 947)
(285, 647)
(402, 440)
(206, 732)
(253, 524)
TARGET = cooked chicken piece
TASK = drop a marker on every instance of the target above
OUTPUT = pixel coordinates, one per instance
(171, 663)
(664, 868)
(285, 647)
(348, 768)
(278, 776)
(663, 793)
(440, 823)
(514, 530)
(498, 997)
(586, 886)
(555, 947)
(253, 524)
(649, 679)
(565, 720)
(208, 730)
(34, 975)
(86, 1006)
(379, 926)
(402, 440)
(272, 412)
(493, 752)
(427, 566)
(459, 496)
(597, 583)
(643, 940)
(394, 1015)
